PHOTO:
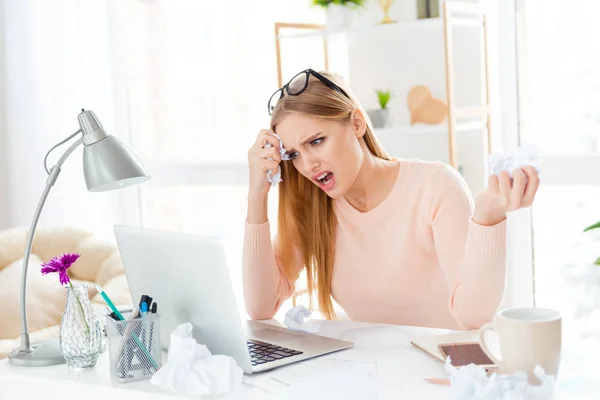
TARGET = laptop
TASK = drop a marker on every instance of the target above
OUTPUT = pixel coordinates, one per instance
(187, 276)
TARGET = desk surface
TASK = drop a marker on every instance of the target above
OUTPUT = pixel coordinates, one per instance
(394, 366)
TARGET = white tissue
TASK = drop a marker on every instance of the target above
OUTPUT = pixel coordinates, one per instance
(191, 370)
(521, 156)
(471, 382)
(294, 319)
(275, 179)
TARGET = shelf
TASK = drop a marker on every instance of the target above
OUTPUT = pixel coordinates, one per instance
(426, 129)
(427, 23)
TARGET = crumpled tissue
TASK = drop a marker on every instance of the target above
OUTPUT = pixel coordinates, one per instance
(294, 319)
(471, 382)
(276, 178)
(191, 369)
(523, 155)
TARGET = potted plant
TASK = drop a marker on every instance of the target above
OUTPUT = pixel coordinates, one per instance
(592, 227)
(339, 12)
(380, 117)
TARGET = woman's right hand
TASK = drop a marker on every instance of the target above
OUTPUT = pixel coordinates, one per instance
(259, 162)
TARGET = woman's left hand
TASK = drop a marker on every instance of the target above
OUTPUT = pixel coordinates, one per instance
(501, 196)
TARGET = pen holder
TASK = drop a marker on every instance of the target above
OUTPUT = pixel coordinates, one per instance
(134, 347)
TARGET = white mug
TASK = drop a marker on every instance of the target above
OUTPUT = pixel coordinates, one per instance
(528, 337)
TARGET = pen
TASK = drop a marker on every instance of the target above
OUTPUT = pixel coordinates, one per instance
(146, 332)
(439, 381)
(120, 316)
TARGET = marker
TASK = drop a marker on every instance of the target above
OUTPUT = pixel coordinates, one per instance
(154, 307)
(120, 316)
(145, 299)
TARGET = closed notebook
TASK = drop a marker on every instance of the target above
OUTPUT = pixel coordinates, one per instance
(429, 344)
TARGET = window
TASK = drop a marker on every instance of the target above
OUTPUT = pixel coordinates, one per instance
(559, 88)
(199, 75)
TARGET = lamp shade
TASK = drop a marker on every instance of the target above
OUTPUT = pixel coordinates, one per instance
(109, 164)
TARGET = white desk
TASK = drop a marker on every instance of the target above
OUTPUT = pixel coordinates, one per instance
(398, 369)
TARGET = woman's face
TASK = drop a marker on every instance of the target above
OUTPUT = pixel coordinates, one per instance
(328, 153)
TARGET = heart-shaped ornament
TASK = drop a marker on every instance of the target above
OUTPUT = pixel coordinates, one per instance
(425, 108)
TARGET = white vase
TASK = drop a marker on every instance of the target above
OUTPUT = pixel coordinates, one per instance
(339, 17)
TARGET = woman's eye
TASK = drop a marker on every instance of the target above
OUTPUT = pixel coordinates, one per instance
(316, 142)
(293, 156)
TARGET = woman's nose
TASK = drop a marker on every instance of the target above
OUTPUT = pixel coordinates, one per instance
(311, 164)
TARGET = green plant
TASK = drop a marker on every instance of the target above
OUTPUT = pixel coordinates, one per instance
(384, 97)
(589, 228)
(348, 3)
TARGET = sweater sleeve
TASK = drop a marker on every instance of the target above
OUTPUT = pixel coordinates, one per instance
(265, 284)
(472, 256)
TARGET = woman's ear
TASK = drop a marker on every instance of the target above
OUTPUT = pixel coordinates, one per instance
(358, 122)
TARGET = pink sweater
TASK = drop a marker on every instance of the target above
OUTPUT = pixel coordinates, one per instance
(415, 259)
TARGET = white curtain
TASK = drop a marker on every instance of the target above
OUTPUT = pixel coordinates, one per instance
(184, 82)
(58, 58)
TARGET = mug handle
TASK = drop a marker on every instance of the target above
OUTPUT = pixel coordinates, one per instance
(492, 327)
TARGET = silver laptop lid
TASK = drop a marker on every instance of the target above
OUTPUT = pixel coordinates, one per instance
(187, 276)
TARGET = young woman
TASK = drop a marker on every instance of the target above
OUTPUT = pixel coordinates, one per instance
(391, 240)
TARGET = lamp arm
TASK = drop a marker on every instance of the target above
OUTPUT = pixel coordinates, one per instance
(55, 146)
(53, 175)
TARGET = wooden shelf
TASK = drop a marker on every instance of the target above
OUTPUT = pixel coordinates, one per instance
(428, 23)
(425, 129)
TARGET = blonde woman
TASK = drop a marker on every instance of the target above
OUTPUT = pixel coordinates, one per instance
(396, 241)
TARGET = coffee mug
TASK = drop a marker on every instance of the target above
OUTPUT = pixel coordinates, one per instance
(528, 337)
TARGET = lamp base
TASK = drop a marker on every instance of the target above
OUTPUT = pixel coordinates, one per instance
(44, 354)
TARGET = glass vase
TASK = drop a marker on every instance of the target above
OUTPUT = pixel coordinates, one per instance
(80, 334)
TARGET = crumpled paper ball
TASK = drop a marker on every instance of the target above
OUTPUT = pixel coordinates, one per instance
(471, 382)
(294, 319)
(191, 370)
(276, 178)
(521, 156)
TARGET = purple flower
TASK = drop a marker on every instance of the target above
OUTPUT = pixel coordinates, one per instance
(60, 265)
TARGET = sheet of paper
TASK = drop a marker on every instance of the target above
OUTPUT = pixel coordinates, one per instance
(402, 376)
(318, 378)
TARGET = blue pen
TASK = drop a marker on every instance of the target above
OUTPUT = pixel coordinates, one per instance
(144, 312)
(120, 316)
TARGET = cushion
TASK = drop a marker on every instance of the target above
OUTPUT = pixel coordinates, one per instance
(100, 263)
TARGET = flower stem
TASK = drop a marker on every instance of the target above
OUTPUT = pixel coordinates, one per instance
(87, 328)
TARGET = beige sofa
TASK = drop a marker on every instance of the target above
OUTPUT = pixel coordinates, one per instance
(99, 263)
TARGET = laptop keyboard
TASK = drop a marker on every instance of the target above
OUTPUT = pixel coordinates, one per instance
(262, 352)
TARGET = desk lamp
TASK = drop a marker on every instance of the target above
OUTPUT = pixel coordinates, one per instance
(107, 164)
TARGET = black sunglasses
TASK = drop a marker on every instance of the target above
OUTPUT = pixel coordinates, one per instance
(300, 88)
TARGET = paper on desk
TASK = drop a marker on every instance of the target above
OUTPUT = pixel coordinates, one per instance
(322, 378)
(402, 375)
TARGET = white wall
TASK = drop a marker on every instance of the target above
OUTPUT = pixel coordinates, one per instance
(399, 56)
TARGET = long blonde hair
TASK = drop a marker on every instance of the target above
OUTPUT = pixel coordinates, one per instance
(306, 220)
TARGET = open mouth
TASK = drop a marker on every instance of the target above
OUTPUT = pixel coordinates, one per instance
(326, 180)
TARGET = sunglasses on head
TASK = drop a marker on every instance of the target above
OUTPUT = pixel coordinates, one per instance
(298, 84)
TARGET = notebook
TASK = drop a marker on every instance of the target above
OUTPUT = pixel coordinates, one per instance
(429, 344)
